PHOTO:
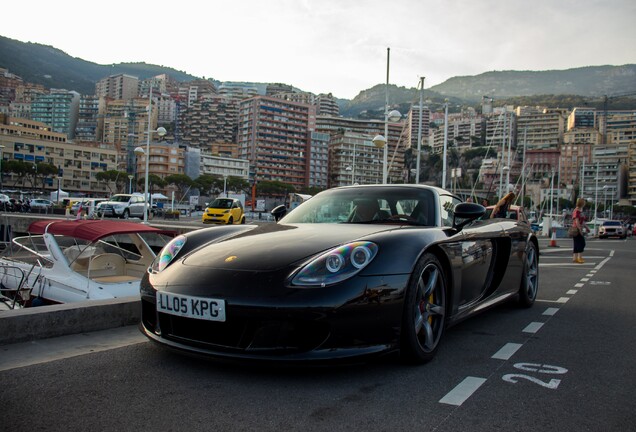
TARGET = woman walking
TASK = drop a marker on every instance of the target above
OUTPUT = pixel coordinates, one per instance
(578, 221)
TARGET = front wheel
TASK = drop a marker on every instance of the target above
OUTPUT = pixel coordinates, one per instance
(126, 214)
(530, 277)
(230, 221)
(424, 315)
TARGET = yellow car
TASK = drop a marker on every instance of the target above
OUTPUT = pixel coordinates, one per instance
(224, 211)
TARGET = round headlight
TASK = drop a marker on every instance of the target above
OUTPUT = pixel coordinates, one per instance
(360, 256)
(168, 253)
(334, 263)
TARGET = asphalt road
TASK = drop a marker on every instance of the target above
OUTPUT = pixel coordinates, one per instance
(567, 364)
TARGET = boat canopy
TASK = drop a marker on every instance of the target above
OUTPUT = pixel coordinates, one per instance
(91, 230)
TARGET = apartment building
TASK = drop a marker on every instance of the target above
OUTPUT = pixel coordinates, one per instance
(166, 159)
(124, 125)
(209, 121)
(193, 91)
(88, 113)
(463, 132)
(274, 136)
(354, 159)
(34, 142)
(413, 126)
(370, 128)
(237, 91)
(58, 109)
(119, 86)
(318, 167)
(540, 130)
(327, 105)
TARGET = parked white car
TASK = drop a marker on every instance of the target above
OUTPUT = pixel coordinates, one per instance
(123, 206)
(40, 204)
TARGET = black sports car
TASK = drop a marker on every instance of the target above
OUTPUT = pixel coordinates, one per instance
(354, 271)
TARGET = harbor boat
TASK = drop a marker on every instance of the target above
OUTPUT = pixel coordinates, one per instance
(63, 261)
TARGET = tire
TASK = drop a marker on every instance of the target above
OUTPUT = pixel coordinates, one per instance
(126, 214)
(243, 220)
(530, 277)
(424, 317)
(230, 221)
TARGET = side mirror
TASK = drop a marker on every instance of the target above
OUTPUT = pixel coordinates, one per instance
(465, 213)
(279, 212)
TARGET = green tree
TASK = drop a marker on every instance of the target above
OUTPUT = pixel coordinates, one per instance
(182, 182)
(274, 188)
(112, 176)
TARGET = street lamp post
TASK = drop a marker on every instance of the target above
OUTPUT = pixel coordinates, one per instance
(1, 148)
(130, 177)
(393, 116)
(161, 132)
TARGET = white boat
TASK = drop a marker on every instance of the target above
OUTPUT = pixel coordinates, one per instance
(63, 261)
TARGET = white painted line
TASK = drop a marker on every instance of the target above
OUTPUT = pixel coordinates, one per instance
(590, 274)
(572, 292)
(533, 327)
(601, 264)
(579, 285)
(584, 279)
(611, 253)
(550, 311)
(462, 391)
(507, 351)
(563, 299)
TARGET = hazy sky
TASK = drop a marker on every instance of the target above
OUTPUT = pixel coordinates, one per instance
(336, 46)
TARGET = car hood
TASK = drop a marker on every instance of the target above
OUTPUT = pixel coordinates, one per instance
(275, 246)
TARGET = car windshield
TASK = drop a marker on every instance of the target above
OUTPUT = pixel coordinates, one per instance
(367, 205)
(222, 203)
(611, 223)
(120, 198)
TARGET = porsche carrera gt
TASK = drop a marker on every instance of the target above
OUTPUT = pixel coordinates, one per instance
(353, 272)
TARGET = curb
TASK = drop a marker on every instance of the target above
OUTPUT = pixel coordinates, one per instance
(23, 325)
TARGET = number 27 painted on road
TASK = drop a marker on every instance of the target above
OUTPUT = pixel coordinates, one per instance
(539, 368)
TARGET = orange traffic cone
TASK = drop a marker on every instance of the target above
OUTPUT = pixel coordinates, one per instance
(553, 239)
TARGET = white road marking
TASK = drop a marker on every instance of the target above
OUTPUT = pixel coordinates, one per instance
(572, 292)
(550, 311)
(563, 299)
(507, 351)
(579, 285)
(563, 264)
(590, 274)
(533, 327)
(584, 279)
(462, 391)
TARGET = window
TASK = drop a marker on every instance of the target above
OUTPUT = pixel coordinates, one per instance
(447, 205)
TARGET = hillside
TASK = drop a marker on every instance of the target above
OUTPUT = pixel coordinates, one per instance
(591, 81)
(54, 68)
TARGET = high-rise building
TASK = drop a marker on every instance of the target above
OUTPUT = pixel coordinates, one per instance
(541, 130)
(194, 91)
(354, 159)
(209, 121)
(86, 129)
(274, 136)
(59, 109)
(238, 91)
(327, 105)
(120, 86)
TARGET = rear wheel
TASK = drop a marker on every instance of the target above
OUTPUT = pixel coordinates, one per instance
(424, 311)
(530, 277)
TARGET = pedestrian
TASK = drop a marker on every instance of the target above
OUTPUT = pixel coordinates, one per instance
(578, 221)
(501, 208)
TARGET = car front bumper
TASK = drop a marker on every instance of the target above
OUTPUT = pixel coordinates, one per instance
(359, 318)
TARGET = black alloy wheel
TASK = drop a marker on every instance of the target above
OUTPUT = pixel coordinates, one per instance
(425, 311)
(530, 277)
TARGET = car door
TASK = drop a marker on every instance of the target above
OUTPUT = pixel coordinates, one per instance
(477, 249)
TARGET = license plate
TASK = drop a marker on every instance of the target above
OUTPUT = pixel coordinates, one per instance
(191, 307)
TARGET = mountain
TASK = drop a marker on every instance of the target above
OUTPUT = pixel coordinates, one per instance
(590, 81)
(53, 68)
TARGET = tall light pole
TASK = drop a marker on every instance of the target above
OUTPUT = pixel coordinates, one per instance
(379, 140)
(161, 132)
(130, 177)
(444, 163)
(419, 132)
(1, 148)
